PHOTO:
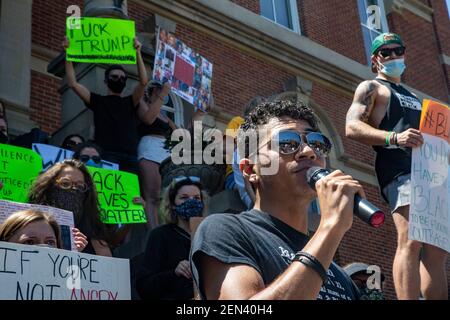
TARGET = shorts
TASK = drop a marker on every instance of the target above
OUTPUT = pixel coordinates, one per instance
(398, 192)
(152, 148)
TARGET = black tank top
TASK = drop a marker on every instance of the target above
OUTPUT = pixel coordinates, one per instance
(402, 113)
(158, 127)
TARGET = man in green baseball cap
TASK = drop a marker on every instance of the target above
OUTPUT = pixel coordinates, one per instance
(386, 115)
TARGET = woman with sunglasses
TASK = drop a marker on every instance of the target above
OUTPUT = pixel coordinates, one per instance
(89, 153)
(165, 272)
(72, 141)
(68, 185)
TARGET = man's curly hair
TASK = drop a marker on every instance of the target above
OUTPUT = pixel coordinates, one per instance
(262, 113)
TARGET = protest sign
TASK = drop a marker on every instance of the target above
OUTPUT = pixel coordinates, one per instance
(39, 273)
(101, 40)
(19, 167)
(51, 155)
(429, 210)
(188, 72)
(116, 190)
(63, 217)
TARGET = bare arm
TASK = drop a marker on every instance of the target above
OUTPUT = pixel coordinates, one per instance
(72, 82)
(358, 128)
(138, 92)
(232, 281)
(356, 124)
(149, 112)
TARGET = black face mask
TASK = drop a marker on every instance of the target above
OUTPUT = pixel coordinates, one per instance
(116, 86)
(3, 138)
(70, 200)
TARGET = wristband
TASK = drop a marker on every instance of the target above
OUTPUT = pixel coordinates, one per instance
(395, 139)
(311, 261)
(388, 138)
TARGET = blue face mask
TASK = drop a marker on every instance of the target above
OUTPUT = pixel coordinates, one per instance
(393, 68)
(92, 163)
(190, 208)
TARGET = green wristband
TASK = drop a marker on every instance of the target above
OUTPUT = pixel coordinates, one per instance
(388, 139)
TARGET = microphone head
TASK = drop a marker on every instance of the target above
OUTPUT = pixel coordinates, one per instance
(314, 174)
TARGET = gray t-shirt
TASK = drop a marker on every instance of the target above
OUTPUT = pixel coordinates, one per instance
(263, 242)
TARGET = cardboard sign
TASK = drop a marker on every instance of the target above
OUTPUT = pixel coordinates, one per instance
(51, 155)
(19, 167)
(429, 210)
(188, 72)
(116, 190)
(63, 217)
(101, 40)
(39, 273)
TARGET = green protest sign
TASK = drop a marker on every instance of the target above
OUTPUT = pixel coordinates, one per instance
(116, 190)
(19, 167)
(101, 40)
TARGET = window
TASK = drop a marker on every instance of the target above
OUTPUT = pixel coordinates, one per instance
(283, 12)
(373, 22)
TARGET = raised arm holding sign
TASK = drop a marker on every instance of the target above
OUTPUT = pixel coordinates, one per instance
(115, 116)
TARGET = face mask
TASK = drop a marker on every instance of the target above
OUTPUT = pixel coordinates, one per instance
(3, 138)
(190, 208)
(393, 68)
(92, 163)
(371, 294)
(116, 86)
(70, 200)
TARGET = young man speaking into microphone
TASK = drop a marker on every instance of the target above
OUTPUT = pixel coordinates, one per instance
(265, 253)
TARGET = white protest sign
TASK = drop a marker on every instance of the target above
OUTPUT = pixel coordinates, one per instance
(51, 155)
(39, 273)
(429, 220)
(63, 217)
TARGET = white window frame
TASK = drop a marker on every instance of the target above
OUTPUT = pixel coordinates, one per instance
(293, 15)
(384, 25)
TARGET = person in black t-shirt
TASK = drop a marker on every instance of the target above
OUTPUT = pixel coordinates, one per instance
(115, 117)
(265, 253)
(385, 115)
(165, 273)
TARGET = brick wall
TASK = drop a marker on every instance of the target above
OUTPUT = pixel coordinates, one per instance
(424, 70)
(252, 5)
(49, 22)
(45, 101)
(334, 24)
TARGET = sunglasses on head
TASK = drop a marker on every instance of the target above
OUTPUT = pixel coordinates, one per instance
(290, 142)
(85, 158)
(182, 178)
(116, 77)
(386, 52)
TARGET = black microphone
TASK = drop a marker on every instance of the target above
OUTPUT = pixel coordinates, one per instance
(362, 208)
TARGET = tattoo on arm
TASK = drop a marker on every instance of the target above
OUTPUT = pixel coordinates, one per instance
(362, 104)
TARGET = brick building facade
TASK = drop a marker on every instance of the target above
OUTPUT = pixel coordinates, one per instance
(252, 55)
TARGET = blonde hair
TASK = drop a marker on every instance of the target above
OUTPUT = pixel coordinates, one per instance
(168, 200)
(20, 219)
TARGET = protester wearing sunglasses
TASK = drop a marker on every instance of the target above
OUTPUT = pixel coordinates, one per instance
(385, 115)
(265, 253)
(89, 153)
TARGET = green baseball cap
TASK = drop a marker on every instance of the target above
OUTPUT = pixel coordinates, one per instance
(385, 38)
